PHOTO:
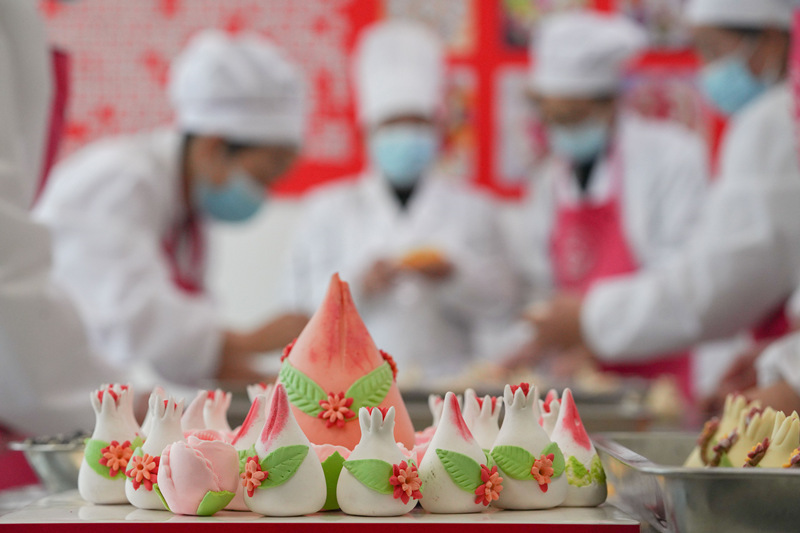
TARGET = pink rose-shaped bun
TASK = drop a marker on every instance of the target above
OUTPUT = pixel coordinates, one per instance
(198, 477)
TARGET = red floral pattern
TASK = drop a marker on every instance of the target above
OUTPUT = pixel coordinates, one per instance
(253, 475)
(144, 471)
(383, 410)
(392, 364)
(287, 350)
(406, 482)
(524, 386)
(116, 456)
(542, 470)
(336, 409)
(492, 486)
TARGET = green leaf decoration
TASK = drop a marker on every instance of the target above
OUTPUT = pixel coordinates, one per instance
(490, 462)
(332, 467)
(371, 389)
(724, 460)
(462, 469)
(301, 389)
(138, 452)
(372, 473)
(577, 474)
(514, 461)
(244, 454)
(160, 496)
(137, 442)
(596, 469)
(214, 501)
(282, 464)
(558, 458)
(93, 453)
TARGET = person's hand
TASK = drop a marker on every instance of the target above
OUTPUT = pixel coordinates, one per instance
(236, 359)
(525, 356)
(780, 396)
(557, 322)
(276, 333)
(438, 270)
(380, 277)
(571, 362)
(740, 377)
(239, 350)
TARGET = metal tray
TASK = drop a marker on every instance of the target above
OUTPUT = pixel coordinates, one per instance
(646, 480)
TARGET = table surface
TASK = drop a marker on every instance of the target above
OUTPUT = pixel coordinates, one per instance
(70, 512)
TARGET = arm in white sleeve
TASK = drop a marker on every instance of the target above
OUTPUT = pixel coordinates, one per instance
(736, 269)
(47, 366)
(780, 362)
(741, 262)
(122, 280)
(108, 254)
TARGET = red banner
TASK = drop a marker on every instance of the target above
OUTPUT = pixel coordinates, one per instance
(121, 52)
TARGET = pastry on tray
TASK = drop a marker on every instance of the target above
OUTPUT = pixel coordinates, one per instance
(333, 433)
(749, 436)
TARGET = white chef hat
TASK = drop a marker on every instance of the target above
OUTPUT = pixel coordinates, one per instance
(241, 88)
(741, 13)
(583, 53)
(398, 70)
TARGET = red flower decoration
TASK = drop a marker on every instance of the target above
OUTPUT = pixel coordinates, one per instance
(383, 410)
(526, 387)
(253, 475)
(336, 409)
(116, 456)
(144, 471)
(542, 470)
(110, 391)
(287, 350)
(491, 488)
(389, 359)
(406, 482)
(494, 403)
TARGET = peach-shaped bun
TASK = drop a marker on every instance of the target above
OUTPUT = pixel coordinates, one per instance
(334, 368)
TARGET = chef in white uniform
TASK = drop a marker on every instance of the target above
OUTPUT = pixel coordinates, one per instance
(46, 363)
(620, 192)
(421, 310)
(128, 213)
(743, 259)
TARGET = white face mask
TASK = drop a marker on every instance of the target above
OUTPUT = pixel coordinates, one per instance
(580, 143)
(237, 200)
(403, 152)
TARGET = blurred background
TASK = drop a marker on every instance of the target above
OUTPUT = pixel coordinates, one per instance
(120, 53)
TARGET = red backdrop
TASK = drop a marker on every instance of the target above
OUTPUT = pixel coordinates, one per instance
(121, 52)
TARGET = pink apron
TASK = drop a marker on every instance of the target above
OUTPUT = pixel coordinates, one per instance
(185, 250)
(588, 244)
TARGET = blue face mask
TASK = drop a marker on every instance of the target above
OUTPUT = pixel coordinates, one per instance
(581, 143)
(402, 152)
(729, 84)
(237, 200)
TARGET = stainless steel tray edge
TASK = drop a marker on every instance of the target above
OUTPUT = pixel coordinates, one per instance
(652, 487)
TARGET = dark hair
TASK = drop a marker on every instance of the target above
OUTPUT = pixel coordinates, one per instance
(231, 147)
(747, 31)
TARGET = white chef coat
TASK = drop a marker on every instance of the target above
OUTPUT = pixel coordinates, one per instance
(46, 366)
(664, 176)
(110, 207)
(780, 362)
(426, 326)
(741, 262)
